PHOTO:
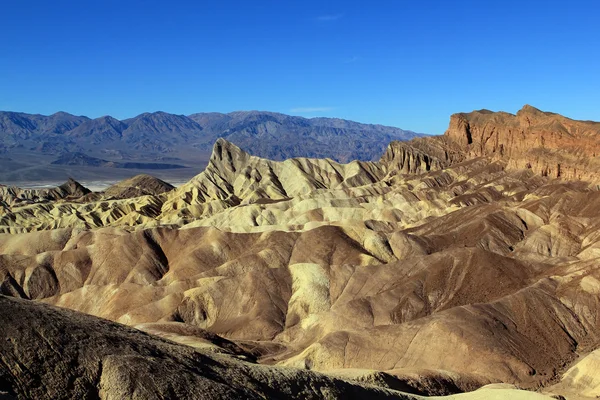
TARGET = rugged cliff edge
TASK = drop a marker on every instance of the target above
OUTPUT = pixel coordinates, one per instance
(549, 144)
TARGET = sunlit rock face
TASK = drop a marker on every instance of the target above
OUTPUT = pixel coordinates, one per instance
(549, 144)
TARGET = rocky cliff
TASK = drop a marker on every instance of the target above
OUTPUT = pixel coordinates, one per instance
(549, 144)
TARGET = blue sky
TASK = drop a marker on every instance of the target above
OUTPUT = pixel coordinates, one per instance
(406, 64)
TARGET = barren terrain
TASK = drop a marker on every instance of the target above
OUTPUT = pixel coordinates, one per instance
(466, 262)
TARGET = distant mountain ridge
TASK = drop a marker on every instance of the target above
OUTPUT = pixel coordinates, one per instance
(280, 136)
(265, 134)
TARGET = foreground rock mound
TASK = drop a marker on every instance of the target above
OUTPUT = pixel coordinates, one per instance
(48, 353)
(51, 353)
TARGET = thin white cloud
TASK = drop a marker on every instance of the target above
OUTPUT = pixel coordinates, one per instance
(331, 17)
(351, 60)
(302, 110)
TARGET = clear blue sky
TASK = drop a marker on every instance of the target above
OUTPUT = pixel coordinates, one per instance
(407, 64)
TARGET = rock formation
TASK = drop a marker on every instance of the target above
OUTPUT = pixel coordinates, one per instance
(444, 267)
(549, 144)
(14, 196)
(139, 185)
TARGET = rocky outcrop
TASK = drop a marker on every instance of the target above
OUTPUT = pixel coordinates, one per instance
(421, 155)
(235, 177)
(71, 189)
(139, 185)
(547, 143)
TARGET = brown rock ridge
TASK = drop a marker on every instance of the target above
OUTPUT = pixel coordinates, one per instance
(549, 144)
(139, 185)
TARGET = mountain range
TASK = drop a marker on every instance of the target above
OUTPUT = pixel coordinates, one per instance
(38, 147)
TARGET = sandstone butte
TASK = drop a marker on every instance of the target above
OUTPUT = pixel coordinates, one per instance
(550, 144)
(463, 265)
